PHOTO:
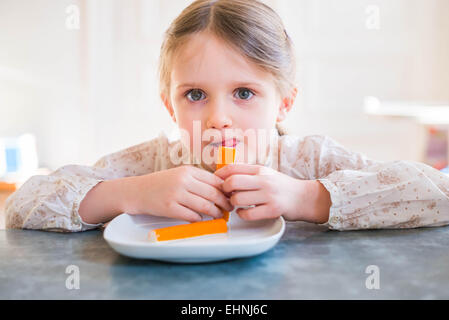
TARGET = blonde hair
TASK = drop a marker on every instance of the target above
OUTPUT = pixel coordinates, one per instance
(249, 26)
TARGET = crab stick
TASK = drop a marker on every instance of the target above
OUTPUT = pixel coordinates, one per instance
(189, 230)
(226, 155)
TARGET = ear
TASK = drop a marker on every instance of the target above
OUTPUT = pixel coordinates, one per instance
(168, 106)
(286, 105)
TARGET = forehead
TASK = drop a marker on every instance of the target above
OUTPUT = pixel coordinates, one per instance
(206, 58)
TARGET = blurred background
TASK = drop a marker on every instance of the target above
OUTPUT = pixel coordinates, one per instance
(78, 78)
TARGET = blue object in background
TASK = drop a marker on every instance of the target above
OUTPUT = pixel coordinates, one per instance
(18, 157)
(445, 170)
(12, 159)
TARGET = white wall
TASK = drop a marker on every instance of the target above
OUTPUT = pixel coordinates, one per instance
(342, 61)
(39, 78)
(92, 91)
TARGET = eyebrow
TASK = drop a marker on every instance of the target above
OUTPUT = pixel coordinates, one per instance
(235, 84)
(186, 85)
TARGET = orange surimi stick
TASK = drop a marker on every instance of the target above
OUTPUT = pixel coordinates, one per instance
(226, 155)
(189, 230)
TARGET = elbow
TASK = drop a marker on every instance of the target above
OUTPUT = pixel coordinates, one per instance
(13, 216)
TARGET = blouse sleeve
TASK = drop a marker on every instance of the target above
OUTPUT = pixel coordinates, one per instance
(51, 202)
(370, 194)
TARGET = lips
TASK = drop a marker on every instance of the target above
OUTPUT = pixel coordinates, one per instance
(229, 143)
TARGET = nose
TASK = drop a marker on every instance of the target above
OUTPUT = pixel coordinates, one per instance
(218, 117)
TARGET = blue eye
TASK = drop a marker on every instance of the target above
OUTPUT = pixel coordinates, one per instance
(244, 94)
(195, 95)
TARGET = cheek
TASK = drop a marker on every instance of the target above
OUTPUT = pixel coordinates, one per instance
(266, 112)
(191, 128)
(261, 121)
(185, 126)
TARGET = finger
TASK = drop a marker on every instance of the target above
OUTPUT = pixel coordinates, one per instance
(237, 168)
(200, 205)
(241, 182)
(256, 213)
(207, 177)
(248, 198)
(181, 212)
(241, 168)
(210, 193)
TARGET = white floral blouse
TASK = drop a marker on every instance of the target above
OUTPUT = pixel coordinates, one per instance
(365, 194)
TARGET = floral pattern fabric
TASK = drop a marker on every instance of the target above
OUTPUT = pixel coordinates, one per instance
(365, 193)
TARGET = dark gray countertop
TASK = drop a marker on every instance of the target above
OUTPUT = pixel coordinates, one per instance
(310, 262)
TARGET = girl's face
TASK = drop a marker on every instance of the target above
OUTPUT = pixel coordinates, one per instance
(216, 87)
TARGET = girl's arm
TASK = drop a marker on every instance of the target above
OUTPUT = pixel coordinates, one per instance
(52, 202)
(368, 194)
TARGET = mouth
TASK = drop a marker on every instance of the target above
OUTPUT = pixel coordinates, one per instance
(230, 143)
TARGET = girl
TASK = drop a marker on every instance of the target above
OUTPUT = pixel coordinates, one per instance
(229, 64)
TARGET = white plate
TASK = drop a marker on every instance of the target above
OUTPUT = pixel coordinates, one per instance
(128, 235)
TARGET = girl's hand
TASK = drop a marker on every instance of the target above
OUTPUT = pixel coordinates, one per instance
(179, 193)
(274, 194)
